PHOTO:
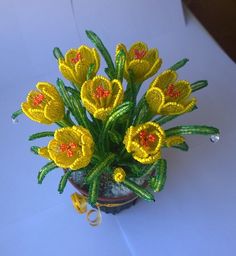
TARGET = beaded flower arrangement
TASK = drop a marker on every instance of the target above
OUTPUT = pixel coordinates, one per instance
(104, 132)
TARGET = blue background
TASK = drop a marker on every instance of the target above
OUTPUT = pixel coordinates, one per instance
(195, 214)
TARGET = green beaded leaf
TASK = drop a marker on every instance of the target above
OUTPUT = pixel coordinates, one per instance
(41, 135)
(35, 149)
(179, 64)
(191, 129)
(199, 85)
(93, 191)
(90, 71)
(104, 52)
(57, 53)
(63, 181)
(120, 64)
(117, 113)
(182, 146)
(16, 114)
(45, 170)
(99, 168)
(115, 137)
(157, 183)
(138, 190)
(165, 119)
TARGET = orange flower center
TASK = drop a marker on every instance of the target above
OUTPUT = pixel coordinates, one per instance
(38, 99)
(172, 92)
(68, 148)
(77, 58)
(146, 139)
(139, 54)
(101, 92)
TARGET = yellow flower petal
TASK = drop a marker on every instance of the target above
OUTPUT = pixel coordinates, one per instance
(54, 111)
(102, 113)
(81, 70)
(48, 90)
(44, 152)
(96, 61)
(67, 72)
(164, 79)
(70, 56)
(184, 89)
(140, 46)
(86, 54)
(172, 108)
(151, 56)
(153, 70)
(139, 68)
(174, 140)
(155, 99)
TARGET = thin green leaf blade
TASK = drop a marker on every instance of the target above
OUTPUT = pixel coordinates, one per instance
(138, 190)
(41, 135)
(45, 170)
(63, 181)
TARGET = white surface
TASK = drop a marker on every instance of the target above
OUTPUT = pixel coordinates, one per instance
(194, 215)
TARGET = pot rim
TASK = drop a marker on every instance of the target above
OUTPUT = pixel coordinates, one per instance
(106, 199)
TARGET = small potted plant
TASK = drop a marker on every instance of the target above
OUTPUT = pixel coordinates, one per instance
(108, 143)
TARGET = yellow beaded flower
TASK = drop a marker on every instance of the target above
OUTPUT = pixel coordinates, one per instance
(72, 147)
(144, 141)
(166, 96)
(119, 175)
(44, 105)
(100, 96)
(76, 64)
(141, 61)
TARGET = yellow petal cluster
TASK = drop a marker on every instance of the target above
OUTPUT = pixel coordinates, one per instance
(72, 147)
(167, 96)
(144, 141)
(44, 105)
(76, 63)
(140, 61)
(119, 174)
(100, 96)
(174, 140)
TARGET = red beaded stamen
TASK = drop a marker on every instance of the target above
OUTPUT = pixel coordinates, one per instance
(146, 138)
(68, 148)
(139, 54)
(101, 92)
(38, 99)
(77, 58)
(172, 92)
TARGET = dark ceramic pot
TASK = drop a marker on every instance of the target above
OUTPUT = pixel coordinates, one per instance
(111, 205)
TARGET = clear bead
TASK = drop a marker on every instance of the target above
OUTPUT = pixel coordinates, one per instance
(214, 138)
(15, 120)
